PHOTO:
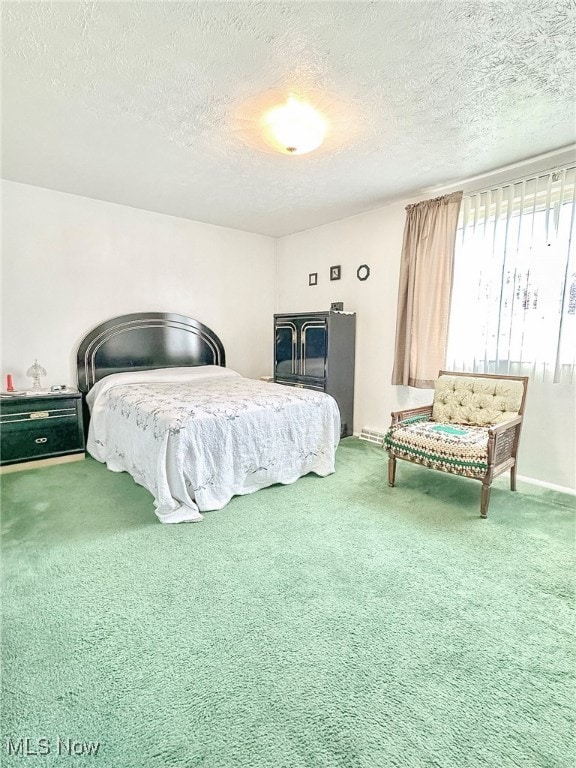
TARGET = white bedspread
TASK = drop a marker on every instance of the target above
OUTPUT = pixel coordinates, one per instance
(196, 437)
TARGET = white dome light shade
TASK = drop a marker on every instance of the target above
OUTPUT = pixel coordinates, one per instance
(294, 128)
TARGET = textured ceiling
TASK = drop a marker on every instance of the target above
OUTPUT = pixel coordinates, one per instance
(154, 105)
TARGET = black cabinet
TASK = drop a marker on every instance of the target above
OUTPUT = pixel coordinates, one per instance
(316, 350)
(41, 427)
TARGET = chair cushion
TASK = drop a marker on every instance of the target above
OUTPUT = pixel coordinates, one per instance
(471, 400)
(461, 449)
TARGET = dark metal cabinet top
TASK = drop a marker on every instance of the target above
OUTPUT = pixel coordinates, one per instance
(323, 313)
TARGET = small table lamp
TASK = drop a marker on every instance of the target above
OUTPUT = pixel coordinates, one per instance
(35, 371)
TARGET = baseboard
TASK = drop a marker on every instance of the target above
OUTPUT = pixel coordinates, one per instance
(39, 463)
(550, 486)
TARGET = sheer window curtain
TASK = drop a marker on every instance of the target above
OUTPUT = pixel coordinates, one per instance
(514, 291)
(424, 290)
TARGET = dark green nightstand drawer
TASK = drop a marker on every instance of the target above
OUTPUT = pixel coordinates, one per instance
(27, 408)
(33, 441)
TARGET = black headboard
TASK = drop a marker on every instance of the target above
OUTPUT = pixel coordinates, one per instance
(143, 341)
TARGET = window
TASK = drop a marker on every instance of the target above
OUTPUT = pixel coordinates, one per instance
(513, 307)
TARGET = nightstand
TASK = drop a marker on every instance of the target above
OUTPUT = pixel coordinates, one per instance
(38, 430)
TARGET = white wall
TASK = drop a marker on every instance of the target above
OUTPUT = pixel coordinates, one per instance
(548, 446)
(69, 263)
(373, 238)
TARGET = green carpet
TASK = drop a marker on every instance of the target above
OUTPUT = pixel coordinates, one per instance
(334, 623)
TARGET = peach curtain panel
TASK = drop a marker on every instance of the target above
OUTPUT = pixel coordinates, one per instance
(424, 290)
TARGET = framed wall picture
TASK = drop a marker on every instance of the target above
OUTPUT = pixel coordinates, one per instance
(363, 272)
(335, 272)
(313, 278)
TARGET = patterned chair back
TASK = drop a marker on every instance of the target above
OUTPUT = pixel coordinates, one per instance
(477, 400)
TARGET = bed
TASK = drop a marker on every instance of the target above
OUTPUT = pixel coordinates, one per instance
(163, 406)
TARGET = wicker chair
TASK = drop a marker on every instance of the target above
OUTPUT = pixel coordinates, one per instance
(471, 429)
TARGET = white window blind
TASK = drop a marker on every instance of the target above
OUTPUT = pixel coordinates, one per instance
(513, 305)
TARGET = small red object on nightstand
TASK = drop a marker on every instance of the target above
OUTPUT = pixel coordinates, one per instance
(9, 383)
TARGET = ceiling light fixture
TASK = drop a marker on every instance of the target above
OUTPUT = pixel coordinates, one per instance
(294, 127)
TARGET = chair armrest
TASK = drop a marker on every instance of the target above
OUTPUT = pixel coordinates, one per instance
(503, 441)
(421, 412)
(495, 429)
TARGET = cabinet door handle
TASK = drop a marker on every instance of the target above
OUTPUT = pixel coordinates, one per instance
(41, 440)
(39, 415)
